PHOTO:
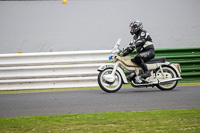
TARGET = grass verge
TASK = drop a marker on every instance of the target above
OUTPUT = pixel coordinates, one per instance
(172, 121)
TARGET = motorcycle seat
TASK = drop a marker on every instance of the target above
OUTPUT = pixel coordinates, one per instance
(156, 60)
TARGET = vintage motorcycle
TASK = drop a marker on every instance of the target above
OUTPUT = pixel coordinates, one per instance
(164, 75)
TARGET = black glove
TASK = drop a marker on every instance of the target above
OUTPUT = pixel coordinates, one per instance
(132, 45)
(127, 51)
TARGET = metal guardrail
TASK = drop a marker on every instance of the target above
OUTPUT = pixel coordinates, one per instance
(78, 68)
(50, 69)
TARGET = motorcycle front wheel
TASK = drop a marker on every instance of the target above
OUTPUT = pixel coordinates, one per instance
(108, 86)
(167, 85)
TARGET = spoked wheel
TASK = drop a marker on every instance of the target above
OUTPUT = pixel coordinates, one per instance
(170, 72)
(108, 86)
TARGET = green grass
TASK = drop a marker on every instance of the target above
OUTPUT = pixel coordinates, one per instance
(168, 121)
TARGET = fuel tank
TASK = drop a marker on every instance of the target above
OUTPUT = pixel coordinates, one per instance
(127, 61)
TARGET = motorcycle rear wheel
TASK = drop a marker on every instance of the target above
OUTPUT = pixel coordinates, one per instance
(107, 86)
(168, 85)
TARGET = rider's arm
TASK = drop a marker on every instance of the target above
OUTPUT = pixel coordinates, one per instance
(141, 41)
(127, 51)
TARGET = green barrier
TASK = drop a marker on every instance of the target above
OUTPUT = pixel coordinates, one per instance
(188, 58)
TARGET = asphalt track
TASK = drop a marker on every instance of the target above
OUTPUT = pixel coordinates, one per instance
(88, 101)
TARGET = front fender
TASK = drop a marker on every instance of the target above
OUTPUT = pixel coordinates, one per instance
(103, 67)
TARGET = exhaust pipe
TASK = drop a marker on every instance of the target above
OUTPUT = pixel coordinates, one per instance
(154, 83)
(169, 80)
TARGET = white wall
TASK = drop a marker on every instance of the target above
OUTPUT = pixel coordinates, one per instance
(42, 26)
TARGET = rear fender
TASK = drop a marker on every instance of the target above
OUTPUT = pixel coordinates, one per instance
(177, 68)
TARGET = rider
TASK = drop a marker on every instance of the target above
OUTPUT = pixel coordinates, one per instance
(143, 44)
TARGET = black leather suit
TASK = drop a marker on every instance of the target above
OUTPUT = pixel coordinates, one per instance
(144, 47)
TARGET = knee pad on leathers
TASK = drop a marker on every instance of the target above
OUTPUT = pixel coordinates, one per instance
(137, 59)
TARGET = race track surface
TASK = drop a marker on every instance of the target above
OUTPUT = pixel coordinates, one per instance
(88, 101)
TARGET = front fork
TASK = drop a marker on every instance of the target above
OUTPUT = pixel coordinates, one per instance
(111, 77)
(115, 68)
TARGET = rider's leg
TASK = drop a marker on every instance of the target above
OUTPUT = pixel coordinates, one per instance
(139, 60)
(146, 73)
(143, 57)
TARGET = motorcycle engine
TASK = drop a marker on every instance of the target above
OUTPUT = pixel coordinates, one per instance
(138, 80)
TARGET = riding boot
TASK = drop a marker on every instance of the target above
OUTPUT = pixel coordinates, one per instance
(146, 73)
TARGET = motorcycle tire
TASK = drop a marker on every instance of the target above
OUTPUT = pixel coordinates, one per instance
(170, 85)
(107, 86)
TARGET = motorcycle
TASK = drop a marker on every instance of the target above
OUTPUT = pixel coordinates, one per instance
(164, 75)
